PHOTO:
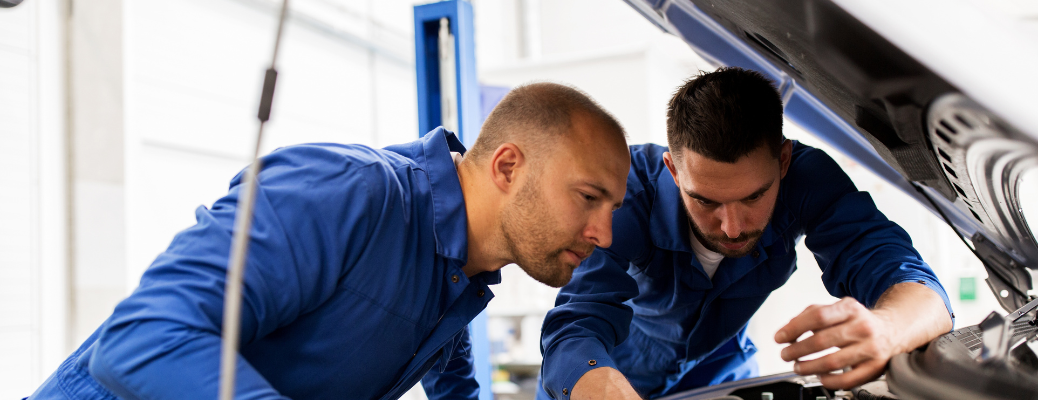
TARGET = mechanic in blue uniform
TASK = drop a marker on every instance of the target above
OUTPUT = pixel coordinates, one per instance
(706, 232)
(366, 265)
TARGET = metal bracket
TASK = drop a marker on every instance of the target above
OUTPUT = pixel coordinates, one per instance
(1006, 278)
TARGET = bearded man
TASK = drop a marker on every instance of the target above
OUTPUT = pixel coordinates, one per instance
(366, 265)
(706, 232)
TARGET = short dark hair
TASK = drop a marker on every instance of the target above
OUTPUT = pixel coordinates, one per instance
(725, 114)
(538, 114)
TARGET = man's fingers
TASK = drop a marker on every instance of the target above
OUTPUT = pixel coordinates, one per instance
(841, 335)
(864, 339)
(861, 373)
(817, 317)
(853, 355)
(837, 336)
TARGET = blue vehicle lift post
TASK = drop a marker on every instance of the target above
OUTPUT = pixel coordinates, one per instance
(444, 43)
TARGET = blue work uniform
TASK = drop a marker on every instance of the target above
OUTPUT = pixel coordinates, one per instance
(646, 307)
(353, 288)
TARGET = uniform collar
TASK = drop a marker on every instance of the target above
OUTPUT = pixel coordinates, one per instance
(448, 204)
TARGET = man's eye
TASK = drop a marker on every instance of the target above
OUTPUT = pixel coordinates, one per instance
(589, 198)
(755, 197)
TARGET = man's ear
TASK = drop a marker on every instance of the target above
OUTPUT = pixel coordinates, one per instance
(785, 155)
(504, 164)
(668, 159)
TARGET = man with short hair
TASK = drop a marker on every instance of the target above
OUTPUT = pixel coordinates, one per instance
(706, 232)
(365, 265)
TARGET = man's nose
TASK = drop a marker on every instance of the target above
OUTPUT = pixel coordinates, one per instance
(600, 229)
(731, 220)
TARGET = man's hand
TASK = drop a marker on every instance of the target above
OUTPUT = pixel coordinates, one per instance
(865, 339)
(604, 383)
(907, 316)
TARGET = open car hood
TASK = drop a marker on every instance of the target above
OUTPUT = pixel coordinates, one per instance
(946, 111)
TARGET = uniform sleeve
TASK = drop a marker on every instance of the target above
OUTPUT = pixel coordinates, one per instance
(312, 217)
(588, 321)
(458, 379)
(861, 252)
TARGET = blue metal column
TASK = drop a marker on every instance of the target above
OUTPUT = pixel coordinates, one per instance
(427, 27)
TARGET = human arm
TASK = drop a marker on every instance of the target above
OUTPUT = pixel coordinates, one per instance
(163, 342)
(907, 315)
(870, 262)
(589, 320)
(456, 380)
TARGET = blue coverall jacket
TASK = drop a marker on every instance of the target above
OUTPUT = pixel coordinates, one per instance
(353, 288)
(646, 307)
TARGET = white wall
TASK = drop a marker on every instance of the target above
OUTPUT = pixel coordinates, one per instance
(96, 163)
(194, 72)
(33, 294)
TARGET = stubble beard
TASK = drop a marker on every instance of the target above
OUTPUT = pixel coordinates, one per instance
(526, 218)
(711, 242)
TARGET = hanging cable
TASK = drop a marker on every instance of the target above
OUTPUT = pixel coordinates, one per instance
(242, 227)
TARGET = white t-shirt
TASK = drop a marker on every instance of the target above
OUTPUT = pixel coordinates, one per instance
(709, 259)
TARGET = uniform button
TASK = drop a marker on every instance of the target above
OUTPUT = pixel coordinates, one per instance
(756, 254)
(592, 363)
(454, 278)
(480, 293)
(565, 392)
